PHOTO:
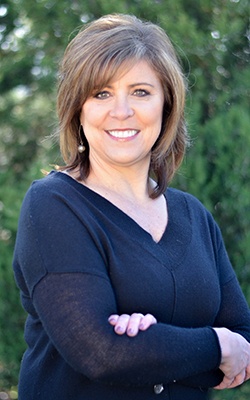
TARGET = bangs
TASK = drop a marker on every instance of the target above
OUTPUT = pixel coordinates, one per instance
(108, 67)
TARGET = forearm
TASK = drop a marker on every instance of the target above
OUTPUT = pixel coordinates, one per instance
(88, 343)
(133, 324)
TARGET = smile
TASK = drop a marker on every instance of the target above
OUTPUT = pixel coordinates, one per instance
(123, 134)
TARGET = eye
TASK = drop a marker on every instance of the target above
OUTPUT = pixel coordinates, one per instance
(102, 95)
(141, 93)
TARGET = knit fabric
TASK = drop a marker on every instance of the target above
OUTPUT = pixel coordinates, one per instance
(78, 259)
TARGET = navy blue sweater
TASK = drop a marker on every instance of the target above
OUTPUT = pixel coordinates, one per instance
(78, 259)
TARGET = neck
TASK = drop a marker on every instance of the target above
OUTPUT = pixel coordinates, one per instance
(131, 182)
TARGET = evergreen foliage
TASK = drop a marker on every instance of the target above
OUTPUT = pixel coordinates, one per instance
(212, 39)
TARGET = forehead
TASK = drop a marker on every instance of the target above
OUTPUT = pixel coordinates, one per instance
(135, 70)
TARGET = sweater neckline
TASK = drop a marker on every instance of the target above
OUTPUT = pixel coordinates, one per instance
(177, 234)
(94, 193)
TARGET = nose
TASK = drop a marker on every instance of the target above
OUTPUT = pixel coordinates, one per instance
(121, 108)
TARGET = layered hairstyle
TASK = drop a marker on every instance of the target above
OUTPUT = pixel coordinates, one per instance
(99, 53)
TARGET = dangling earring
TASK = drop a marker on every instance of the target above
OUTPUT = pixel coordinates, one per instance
(81, 147)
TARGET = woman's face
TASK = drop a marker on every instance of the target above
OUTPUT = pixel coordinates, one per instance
(123, 120)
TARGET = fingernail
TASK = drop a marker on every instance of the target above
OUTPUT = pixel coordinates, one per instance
(141, 326)
(119, 329)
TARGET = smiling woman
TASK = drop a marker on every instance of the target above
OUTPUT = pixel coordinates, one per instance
(100, 54)
(110, 260)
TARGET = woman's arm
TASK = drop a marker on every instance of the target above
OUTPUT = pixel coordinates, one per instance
(235, 350)
(234, 314)
(74, 309)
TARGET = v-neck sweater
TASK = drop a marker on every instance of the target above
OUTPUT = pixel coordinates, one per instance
(78, 259)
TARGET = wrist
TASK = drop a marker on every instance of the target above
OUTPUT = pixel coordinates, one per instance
(223, 338)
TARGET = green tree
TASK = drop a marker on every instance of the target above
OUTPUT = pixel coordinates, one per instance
(212, 39)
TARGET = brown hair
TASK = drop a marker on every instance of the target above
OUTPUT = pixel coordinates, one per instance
(93, 58)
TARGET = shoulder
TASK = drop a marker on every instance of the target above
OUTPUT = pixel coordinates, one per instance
(52, 186)
(183, 203)
(181, 200)
(184, 199)
(57, 197)
(52, 182)
(45, 195)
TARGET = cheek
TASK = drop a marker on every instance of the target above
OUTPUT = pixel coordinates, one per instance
(154, 116)
(92, 115)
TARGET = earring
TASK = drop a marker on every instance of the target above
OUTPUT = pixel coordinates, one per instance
(81, 147)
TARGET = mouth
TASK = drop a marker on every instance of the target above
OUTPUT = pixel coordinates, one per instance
(123, 134)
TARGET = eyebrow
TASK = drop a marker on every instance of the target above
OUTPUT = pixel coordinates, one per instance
(136, 84)
(141, 83)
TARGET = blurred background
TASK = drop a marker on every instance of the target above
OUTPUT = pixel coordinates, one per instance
(212, 39)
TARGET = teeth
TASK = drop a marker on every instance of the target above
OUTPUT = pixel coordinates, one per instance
(123, 134)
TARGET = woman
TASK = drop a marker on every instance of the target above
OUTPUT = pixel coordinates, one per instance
(127, 284)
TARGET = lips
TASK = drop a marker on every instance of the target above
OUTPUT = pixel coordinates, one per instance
(123, 134)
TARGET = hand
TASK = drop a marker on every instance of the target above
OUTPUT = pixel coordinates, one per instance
(131, 324)
(235, 361)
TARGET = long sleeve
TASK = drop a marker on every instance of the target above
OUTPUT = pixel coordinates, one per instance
(74, 310)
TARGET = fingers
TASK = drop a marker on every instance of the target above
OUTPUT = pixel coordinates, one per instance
(147, 321)
(247, 372)
(131, 324)
(134, 324)
(238, 380)
(225, 384)
(230, 383)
